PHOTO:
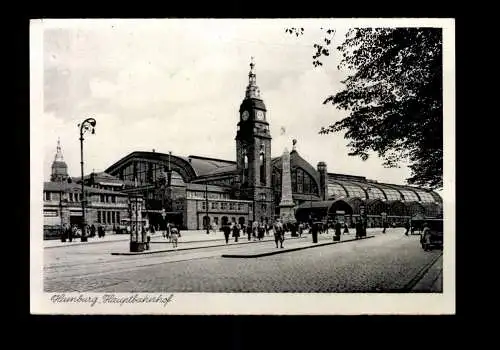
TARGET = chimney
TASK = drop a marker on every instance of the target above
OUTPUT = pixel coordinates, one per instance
(323, 180)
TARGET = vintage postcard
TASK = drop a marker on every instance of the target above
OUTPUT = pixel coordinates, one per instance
(242, 166)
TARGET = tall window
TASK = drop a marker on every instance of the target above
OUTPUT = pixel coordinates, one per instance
(113, 217)
(98, 216)
(245, 165)
(307, 183)
(118, 217)
(300, 180)
(293, 175)
(47, 196)
(262, 167)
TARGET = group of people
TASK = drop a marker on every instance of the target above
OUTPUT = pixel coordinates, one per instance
(69, 232)
(256, 230)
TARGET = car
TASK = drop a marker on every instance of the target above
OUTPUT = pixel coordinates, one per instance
(433, 236)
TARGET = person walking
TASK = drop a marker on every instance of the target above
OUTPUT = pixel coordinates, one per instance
(338, 229)
(236, 232)
(407, 227)
(314, 230)
(227, 231)
(359, 229)
(279, 234)
(249, 230)
(346, 229)
(426, 237)
(148, 239)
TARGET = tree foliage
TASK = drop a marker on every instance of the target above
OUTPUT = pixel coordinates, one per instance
(393, 98)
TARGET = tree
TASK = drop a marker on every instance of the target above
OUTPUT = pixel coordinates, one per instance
(393, 97)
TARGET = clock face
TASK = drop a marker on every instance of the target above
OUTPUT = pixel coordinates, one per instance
(260, 115)
(244, 116)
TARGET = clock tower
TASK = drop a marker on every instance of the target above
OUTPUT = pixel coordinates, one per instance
(253, 151)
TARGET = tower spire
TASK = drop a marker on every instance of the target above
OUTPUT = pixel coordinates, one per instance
(59, 155)
(59, 167)
(253, 90)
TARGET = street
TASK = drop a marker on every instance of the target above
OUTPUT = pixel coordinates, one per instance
(390, 262)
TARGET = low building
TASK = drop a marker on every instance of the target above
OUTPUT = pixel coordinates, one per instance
(62, 202)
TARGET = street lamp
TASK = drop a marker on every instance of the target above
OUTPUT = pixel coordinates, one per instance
(61, 201)
(87, 125)
(206, 206)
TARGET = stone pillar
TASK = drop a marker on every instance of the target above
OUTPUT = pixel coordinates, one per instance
(286, 204)
(323, 181)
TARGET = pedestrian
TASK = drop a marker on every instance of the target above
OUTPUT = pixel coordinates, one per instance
(255, 229)
(236, 232)
(426, 237)
(359, 229)
(227, 231)
(385, 227)
(338, 228)
(279, 233)
(148, 238)
(249, 230)
(407, 227)
(314, 231)
(261, 231)
(168, 231)
(174, 236)
(346, 229)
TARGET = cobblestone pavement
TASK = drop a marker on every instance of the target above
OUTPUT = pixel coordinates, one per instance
(386, 263)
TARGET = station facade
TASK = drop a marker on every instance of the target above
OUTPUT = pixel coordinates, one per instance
(194, 191)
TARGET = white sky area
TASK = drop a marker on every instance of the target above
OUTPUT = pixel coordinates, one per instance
(176, 85)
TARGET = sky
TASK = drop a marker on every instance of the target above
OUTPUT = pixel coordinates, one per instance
(176, 85)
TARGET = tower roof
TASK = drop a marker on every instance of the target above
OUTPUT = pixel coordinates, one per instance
(59, 155)
(59, 167)
(253, 90)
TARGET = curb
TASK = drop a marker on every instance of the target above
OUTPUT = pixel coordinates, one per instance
(192, 248)
(418, 277)
(292, 249)
(71, 244)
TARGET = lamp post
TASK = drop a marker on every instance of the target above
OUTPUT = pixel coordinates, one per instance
(206, 207)
(87, 125)
(61, 201)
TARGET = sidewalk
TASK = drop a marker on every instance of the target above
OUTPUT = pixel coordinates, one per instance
(188, 236)
(291, 243)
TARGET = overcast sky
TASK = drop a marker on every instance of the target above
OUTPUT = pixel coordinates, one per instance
(176, 85)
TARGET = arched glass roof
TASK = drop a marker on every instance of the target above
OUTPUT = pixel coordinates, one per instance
(392, 194)
(334, 189)
(373, 192)
(425, 197)
(354, 189)
(410, 196)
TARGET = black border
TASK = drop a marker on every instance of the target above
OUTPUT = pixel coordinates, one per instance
(240, 328)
